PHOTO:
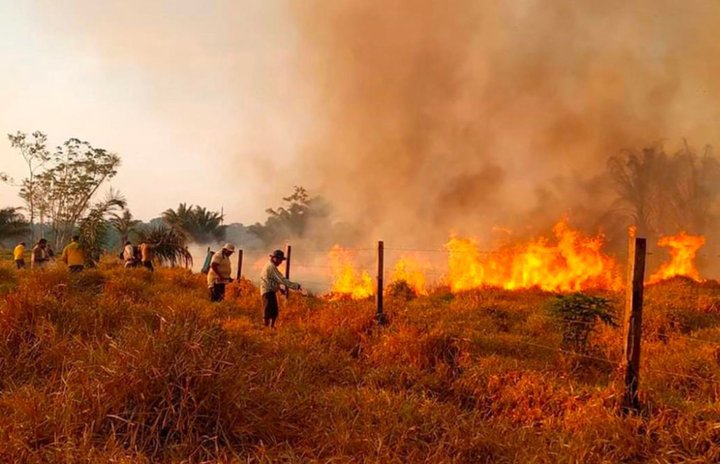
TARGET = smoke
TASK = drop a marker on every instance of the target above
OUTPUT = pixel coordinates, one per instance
(431, 117)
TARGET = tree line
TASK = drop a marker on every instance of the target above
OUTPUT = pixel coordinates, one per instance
(60, 199)
(657, 191)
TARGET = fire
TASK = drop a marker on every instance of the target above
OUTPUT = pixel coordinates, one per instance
(413, 272)
(571, 262)
(683, 250)
(346, 279)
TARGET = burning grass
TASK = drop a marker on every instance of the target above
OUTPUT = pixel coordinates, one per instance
(139, 367)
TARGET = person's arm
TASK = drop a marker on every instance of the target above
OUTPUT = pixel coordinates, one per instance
(64, 257)
(279, 278)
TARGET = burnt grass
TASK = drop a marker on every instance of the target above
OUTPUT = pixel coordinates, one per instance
(125, 366)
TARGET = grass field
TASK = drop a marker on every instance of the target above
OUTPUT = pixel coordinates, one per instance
(119, 366)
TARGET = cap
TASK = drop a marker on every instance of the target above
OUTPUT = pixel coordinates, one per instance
(278, 254)
(229, 247)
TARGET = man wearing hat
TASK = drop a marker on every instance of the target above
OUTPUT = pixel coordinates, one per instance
(219, 273)
(270, 282)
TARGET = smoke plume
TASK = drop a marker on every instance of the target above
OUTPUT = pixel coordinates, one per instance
(433, 117)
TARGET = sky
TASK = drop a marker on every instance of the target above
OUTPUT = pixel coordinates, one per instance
(195, 97)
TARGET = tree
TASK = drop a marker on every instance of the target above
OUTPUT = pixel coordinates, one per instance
(124, 224)
(12, 223)
(635, 176)
(292, 218)
(74, 173)
(196, 223)
(169, 243)
(94, 226)
(33, 149)
(664, 193)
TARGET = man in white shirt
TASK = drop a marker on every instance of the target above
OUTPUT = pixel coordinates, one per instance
(270, 282)
(220, 271)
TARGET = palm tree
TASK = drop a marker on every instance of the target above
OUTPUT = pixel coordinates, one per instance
(94, 226)
(196, 223)
(169, 245)
(12, 223)
(124, 224)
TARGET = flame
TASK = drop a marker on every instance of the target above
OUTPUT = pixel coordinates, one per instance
(683, 249)
(572, 262)
(346, 280)
(413, 272)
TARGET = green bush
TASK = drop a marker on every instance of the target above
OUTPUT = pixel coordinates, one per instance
(577, 315)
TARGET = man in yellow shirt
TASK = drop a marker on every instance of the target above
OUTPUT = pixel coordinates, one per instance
(19, 255)
(73, 255)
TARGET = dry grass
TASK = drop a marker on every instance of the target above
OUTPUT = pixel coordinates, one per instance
(130, 366)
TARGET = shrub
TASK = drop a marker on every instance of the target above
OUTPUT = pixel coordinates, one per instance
(577, 314)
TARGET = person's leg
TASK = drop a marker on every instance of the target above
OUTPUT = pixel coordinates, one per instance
(220, 291)
(267, 310)
(215, 293)
(273, 310)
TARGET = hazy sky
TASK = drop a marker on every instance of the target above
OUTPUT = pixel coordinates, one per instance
(194, 96)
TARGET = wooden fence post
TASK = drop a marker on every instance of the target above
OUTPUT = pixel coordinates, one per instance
(380, 278)
(632, 323)
(239, 267)
(287, 269)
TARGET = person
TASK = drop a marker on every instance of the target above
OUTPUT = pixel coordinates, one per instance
(270, 282)
(128, 255)
(73, 255)
(38, 255)
(19, 255)
(219, 273)
(146, 255)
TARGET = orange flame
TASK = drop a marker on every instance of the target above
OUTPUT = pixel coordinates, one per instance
(573, 262)
(413, 272)
(346, 280)
(683, 250)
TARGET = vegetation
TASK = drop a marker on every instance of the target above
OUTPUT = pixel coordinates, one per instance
(196, 223)
(33, 149)
(124, 224)
(664, 193)
(577, 315)
(61, 185)
(12, 224)
(169, 245)
(130, 366)
(293, 218)
(94, 227)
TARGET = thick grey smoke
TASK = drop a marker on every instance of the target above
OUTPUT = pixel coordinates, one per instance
(433, 117)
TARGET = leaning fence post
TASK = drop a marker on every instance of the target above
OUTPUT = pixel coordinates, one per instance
(239, 267)
(380, 274)
(287, 269)
(632, 323)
